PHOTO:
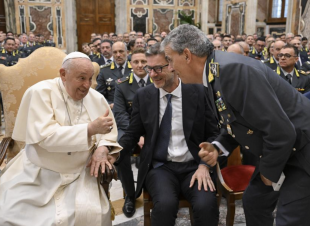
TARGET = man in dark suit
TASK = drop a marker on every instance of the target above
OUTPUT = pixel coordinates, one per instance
(109, 73)
(299, 79)
(258, 110)
(174, 119)
(125, 91)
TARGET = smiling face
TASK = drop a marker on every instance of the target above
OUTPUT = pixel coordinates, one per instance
(76, 76)
(165, 79)
(138, 62)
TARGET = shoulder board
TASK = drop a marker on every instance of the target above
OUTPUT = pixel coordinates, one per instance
(122, 80)
(105, 65)
(304, 72)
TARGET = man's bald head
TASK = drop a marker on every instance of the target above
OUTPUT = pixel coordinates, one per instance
(246, 48)
(278, 45)
(217, 44)
(235, 48)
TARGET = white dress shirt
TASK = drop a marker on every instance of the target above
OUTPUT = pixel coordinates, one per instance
(177, 149)
(138, 78)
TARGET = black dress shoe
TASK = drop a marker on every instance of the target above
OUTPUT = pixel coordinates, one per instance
(129, 207)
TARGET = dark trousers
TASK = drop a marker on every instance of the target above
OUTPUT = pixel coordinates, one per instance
(125, 174)
(293, 199)
(167, 182)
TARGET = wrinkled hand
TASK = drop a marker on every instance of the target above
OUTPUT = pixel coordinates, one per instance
(266, 181)
(101, 125)
(112, 158)
(208, 153)
(99, 158)
(141, 142)
(202, 175)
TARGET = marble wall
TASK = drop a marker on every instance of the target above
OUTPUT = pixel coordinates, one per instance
(262, 10)
(305, 20)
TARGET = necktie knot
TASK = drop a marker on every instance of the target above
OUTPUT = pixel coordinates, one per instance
(169, 96)
(289, 78)
(141, 83)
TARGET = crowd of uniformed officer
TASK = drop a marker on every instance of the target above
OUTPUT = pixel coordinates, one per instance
(13, 47)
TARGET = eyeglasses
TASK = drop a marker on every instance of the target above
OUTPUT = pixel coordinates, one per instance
(157, 69)
(286, 55)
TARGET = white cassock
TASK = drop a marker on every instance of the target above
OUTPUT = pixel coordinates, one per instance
(48, 183)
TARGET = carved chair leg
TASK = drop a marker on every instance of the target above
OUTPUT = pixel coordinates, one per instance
(230, 210)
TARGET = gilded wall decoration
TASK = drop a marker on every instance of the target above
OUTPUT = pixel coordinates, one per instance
(235, 17)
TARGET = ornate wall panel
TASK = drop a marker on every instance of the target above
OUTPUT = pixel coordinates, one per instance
(235, 17)
(305, 19)
(44, 17)
(160, 15)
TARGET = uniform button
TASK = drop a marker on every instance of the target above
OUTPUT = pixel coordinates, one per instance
(294, 149)
(247, 147)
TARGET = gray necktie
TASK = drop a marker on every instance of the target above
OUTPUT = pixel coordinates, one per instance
(289, 78)
(141, 83)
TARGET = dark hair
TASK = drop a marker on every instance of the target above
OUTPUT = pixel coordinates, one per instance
(155, 50)
(260, 39)
(138, 50)
(289, 46)
(304, 38)
(239, 40)
(9, 38)
(151, 39)
(297, 36)
(107, 40)
(95, 39)
(114, 35)
(226, 36)
(130, 44)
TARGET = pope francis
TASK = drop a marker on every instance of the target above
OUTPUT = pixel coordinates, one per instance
(53, 180)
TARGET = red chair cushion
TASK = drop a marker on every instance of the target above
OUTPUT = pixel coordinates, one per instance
(237, 177)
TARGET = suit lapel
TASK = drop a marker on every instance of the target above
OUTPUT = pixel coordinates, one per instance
(188, 108)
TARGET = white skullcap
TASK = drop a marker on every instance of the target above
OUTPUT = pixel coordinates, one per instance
(74, 55)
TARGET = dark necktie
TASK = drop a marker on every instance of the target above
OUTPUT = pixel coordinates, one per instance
(161, 147)
(109, 61)
(141, 83)
(289, 78)
(121, 70)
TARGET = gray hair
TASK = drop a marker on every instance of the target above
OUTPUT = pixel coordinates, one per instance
(155, 50)
(188, 36)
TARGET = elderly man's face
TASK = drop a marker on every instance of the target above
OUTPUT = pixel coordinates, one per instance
(139, 43)
(138, 62)
(24, 39)
(78, 79)
(179, 63)
(162, 77)
(217, 45)
(119, 53)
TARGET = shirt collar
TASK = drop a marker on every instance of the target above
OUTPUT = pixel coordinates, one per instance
(204, 76)
(285, 73)
(177, 92)
(106, 59)
(124, 65)
(138, 78)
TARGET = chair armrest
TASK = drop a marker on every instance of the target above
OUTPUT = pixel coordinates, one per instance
(221, 179)
(106, 178)
(5, 143)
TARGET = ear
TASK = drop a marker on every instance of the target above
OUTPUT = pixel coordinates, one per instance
(188, 55)
(62, 73)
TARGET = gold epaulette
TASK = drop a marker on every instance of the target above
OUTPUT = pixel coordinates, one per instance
(122, 80)
(304, 72)
(105, 65)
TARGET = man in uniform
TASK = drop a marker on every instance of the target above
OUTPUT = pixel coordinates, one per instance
(258, 110)
(226, 42)
(106, 51)
(125, 90)
(257, 51)
(299, 79)
(97, 55)
(109, 73)
(18, 49)
(7, 54)
(50, 41)
(31, 45)
(274, 60)
(250, 41)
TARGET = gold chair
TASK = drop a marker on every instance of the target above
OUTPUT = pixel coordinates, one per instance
(148, 205)
(232, 181)
(42, 64)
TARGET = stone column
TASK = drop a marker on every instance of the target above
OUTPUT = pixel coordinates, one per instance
(71, 27)
(10, 16)
(203, 10)
(250, 16)
(121, 16)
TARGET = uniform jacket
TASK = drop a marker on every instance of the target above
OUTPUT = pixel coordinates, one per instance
(300, 79)
(8, 59)
(99, 59)
(199, 124)
(125, 90)
(262, 112)
(107, 77)
(271, 63)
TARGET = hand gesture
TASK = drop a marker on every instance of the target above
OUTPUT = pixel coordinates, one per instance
(202, 175)
(208, 153)
(101, 125)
